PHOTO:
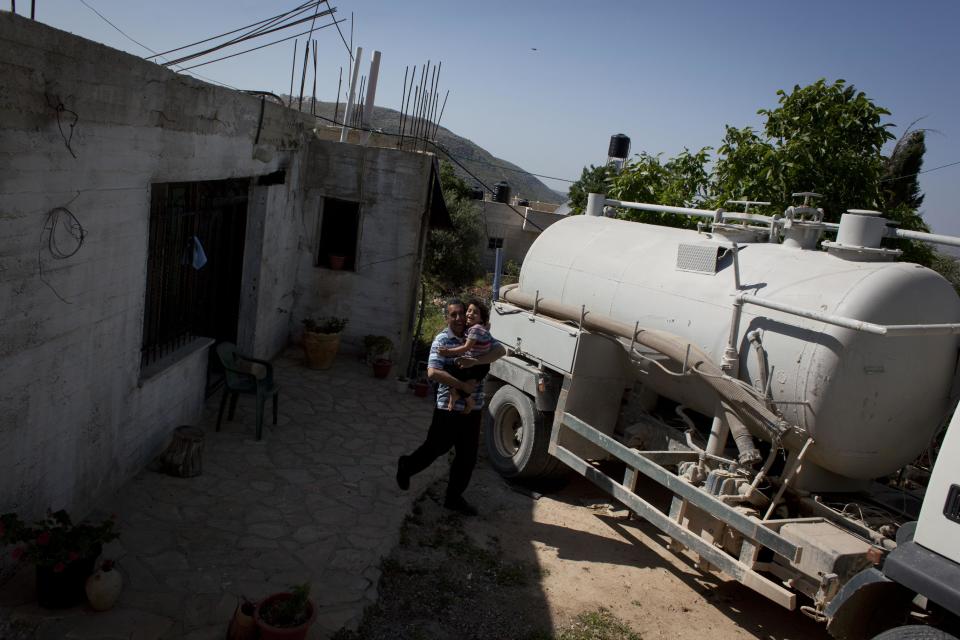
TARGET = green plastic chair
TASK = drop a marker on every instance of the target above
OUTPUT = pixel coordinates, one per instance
(240, 380)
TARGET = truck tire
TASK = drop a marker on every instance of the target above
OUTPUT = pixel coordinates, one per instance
(914, 632)
(517, 436)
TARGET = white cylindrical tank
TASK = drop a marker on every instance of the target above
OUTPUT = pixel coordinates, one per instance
(870, 402)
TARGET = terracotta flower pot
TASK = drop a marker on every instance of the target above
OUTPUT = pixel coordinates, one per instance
(381, 368)
(420, 389)
(336, 262)
(270, 632)
(320, 348)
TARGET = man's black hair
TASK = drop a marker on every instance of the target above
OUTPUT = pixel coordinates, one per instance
(452, 301)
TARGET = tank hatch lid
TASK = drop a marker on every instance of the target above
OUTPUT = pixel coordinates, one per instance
(700, 257)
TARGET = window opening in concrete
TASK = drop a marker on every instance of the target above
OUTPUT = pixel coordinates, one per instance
(339, 232)
(494, 243)
(194, 264)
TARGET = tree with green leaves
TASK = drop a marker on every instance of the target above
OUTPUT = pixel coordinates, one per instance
(592, 180)
(453, 256)
(823, 137)
(682, 181)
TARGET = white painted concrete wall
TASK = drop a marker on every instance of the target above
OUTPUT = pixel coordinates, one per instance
(518, 226)
(379, 297)
(76, 417)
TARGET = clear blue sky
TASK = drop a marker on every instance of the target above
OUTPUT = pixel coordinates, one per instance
(669, 75)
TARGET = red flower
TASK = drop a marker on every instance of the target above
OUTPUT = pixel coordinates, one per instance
(57, 568)
(16, 553)
(43, 538)
(73, 555)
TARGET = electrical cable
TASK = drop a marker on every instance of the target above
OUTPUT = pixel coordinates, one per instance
(202, 77)
(943, 166)
(199, 54)
(269, 44)
(74, 229)
(271, 19)
(348, 47)
(59, 107)
(104, 18)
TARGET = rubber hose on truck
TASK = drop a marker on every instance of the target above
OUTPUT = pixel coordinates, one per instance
(759, 420)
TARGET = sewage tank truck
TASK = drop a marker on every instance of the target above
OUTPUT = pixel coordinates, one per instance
(777, 384)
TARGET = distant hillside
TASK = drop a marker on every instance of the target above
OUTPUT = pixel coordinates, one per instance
(480, 162)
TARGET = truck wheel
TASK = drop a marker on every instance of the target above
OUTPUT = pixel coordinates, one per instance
(517, 436)
(914, 632)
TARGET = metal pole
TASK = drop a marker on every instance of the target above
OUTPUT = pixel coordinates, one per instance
(33, 9)
(497, 269)
(595, 203)
(292, 70)
(353, 87)
(336, 107)
(403, 97)
(934, 238)
(313, 104)
(303, 74)
(406, 108)
(436, 128)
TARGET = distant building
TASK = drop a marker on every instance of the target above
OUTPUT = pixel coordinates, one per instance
(514, 227)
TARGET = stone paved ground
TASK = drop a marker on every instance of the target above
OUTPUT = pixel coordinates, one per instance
(315, 501)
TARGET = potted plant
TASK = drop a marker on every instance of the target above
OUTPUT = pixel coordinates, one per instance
(286, 616)
(321, 339)
(403, 384)
(378, 354)
(64, 554)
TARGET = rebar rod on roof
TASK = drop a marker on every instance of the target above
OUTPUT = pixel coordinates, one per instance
(359, 107)
(436, 128)
(292, 70)
(353, 87)
(406, 108)
(303, 73)
(433, 98)
(403, 96)
(336, 108)
(313, 102)
(424, 74)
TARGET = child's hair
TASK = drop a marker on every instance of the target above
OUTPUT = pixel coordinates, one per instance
(482, 308)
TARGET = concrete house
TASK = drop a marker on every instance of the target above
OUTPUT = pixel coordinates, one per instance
(514, 227)
(145, 215)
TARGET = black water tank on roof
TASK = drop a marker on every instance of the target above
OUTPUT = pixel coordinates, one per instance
(501, 192)
(476, 193)
(619, 146)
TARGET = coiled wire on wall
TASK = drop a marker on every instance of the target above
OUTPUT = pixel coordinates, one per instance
(71, 232)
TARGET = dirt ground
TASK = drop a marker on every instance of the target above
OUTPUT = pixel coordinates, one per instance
(569, 564)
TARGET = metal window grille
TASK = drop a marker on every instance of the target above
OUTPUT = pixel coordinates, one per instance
(183, 302)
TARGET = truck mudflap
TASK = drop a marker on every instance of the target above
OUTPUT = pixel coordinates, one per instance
(927, 573)
(756, 535)
(867, 604)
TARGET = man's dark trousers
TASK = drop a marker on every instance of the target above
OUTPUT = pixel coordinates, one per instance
(450, 429)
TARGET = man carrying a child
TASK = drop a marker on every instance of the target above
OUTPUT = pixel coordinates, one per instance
(464, 345)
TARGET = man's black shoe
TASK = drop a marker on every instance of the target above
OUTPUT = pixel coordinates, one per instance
(460, 505)
(403, 476)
